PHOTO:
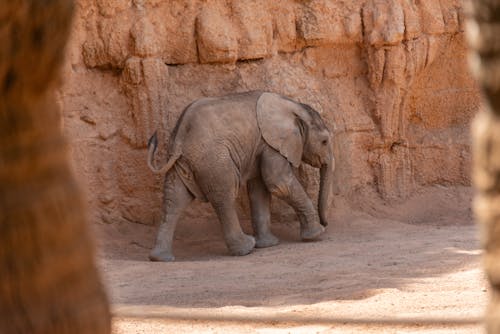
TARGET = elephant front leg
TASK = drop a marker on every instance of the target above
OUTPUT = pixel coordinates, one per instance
(177, 197)
(280, 180)
(260, 202)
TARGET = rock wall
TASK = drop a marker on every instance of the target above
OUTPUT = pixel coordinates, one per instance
(389, 76)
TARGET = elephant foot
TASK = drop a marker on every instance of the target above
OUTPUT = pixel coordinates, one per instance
(241, 246)
(311, 232)
(267, 240)
(161, 255)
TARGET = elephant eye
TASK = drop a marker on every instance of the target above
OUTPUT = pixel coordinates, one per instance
(324, 142)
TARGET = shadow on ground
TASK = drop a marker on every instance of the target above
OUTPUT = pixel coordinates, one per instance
(357, 257)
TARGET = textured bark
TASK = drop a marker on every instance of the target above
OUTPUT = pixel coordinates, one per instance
(48, 280)
(483, 35)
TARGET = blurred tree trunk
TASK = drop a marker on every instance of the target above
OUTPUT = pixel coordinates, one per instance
(483, 31)
(48, 280)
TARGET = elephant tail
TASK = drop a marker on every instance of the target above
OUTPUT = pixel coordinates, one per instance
(152, 145)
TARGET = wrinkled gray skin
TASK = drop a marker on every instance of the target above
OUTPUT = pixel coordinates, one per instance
(256, 138)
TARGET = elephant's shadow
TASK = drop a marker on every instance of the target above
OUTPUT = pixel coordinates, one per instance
(356, 258)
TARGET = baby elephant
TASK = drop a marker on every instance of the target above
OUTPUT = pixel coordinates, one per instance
(255, 138)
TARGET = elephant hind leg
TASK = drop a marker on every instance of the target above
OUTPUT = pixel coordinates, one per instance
(260, 202)
(237, 241)
(221, 190)
(176, 198)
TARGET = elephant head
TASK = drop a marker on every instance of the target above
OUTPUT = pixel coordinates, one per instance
(299, 133)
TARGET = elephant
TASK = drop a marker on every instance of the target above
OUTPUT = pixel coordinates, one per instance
(255, 138)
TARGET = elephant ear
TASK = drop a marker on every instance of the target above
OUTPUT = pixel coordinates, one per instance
(280, 126)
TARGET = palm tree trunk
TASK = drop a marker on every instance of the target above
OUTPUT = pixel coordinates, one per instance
(483, 32)
(48, 279)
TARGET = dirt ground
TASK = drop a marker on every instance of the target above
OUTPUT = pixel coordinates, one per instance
(424, 262)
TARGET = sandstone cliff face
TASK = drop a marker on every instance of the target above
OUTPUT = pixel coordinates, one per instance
(389, 76)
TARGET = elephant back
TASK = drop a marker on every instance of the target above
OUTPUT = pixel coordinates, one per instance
(212, 125)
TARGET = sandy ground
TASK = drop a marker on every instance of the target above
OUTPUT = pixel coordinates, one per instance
(364, 268)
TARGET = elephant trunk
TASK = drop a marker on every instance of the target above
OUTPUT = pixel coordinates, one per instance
(325, 186)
